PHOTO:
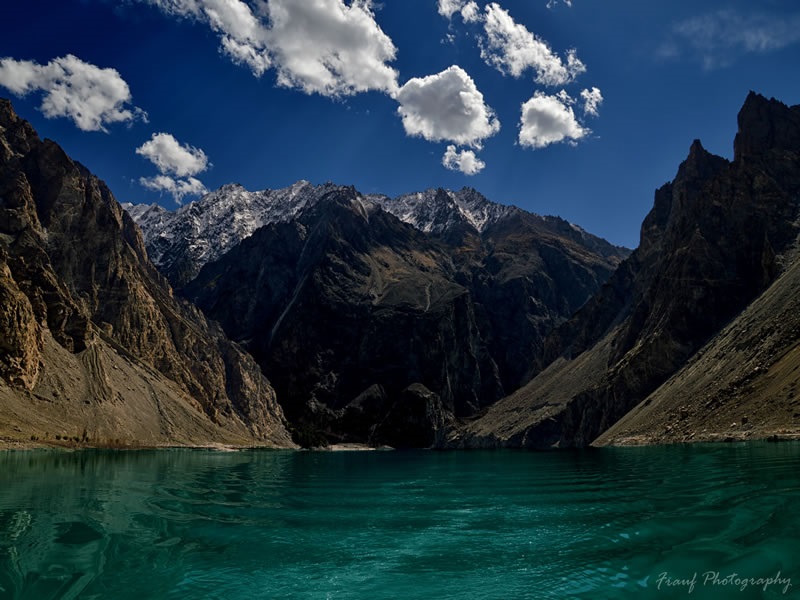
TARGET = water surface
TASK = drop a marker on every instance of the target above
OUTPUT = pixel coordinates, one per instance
(611, 523)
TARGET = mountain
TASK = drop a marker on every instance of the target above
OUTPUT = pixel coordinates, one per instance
(94, 346)
(180, 242)
(440, 211)
(382, 320)
(720, 237)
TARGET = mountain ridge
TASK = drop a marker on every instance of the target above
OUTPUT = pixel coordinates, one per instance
(180, 242)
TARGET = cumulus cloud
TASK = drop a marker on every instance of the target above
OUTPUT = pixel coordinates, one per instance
(464, 161)
(330, 48)
(325, 47)
(592, 99)
(549, 119)
(718, 39)
(446, 106)
(471, 12)
(512, 49)
(469, 9)
(177, 188)
(170, 156)
(91, 96)
(176, 164)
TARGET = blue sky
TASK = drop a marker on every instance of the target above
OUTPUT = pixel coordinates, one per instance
(164, 98)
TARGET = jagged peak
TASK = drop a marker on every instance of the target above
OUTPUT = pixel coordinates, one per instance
(766, 124)
(20, 134)
(699, 164)
(231, 187)
(7, 113)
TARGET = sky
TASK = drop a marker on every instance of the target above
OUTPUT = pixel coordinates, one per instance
(575, 108)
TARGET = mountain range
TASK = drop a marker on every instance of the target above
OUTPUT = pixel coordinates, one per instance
(379, 320)
(436, 318)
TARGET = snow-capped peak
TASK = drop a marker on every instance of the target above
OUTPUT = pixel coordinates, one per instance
(437, 210)
(203, 230)
(180, 242)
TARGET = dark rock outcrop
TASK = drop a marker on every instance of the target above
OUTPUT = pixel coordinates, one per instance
(73, 268)
(711, 244)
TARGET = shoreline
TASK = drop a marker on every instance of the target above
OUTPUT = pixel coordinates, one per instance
(14, 445)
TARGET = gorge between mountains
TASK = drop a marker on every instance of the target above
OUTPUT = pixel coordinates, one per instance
(316, 315)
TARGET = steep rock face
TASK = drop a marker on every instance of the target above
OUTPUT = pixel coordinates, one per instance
(73, 267)
(710, 246)
(348, 308)
(20, 339)
(744, 384)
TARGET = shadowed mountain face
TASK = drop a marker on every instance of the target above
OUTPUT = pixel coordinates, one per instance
(375, 329)
(716, 238)
(90, 334)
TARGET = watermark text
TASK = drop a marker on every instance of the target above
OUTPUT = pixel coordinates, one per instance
(730, 581)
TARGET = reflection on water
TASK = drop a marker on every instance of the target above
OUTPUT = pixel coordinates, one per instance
(266, 524)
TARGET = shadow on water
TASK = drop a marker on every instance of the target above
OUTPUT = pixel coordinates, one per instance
(611, 523)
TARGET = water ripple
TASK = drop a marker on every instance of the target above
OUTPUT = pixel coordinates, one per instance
(593, 524)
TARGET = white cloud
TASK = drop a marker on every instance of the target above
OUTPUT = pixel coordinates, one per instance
(592, 99)
(512, 49)
(464, 161)
(89, 95)
(469, 9)
(246, 54)
(548, 120)
(471, 12)
(170, 156)
(718, 39)
(177, 188)
(447, 8)
(552, 3)
(330, 48)
(176, 164)
(325, 46)
(446, 106)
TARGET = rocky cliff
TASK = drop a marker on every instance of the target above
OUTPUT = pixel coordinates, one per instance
(384, 330)
(91, 337)
(717, 237)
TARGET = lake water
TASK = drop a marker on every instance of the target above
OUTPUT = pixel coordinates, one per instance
(612, 523)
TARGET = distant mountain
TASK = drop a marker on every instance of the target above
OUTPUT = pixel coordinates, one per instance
(721, 237)
(374, 316)
(180, 242)
(93, 344)
(440, 211)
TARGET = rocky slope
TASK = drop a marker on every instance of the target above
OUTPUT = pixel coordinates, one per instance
(378, 329)
(91, 338)
(717, 237)
(743, 384)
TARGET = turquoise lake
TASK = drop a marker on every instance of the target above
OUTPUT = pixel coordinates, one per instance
(611, 523)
